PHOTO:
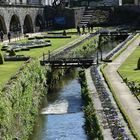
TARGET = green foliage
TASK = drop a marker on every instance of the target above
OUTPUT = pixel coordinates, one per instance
(86, 49)
(91, 122)
(12, 53)
(1, 59)
(138, 64)
(20, 100)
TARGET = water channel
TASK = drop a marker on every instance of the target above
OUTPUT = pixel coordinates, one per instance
(61, 117)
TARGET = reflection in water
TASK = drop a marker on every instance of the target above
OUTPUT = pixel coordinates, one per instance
(110, 45)
(62, 118)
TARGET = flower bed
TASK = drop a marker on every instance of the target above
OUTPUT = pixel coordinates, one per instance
(16, 46)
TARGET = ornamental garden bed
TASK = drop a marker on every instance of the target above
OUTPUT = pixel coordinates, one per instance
(26, 46)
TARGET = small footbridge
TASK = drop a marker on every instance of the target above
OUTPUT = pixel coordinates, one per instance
(114, 33)
(68, 62)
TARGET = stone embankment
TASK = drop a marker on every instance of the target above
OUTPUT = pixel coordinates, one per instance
(111, 120)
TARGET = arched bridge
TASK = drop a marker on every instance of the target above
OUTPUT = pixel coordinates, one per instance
(21, 18)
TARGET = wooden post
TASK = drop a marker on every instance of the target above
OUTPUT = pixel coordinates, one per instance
(99, 47)
(101, 53)
(43, 56)
(49, 56)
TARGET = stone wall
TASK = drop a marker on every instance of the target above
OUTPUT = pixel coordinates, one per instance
(119, 15)
(7, 11)
(104, 3)
(78, 14)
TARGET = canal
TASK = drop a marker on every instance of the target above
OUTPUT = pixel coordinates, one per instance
(61, 116)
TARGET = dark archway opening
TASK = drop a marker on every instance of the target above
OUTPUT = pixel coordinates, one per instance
(28, 25)
(39, 24)
(15, 24)
(2, 25)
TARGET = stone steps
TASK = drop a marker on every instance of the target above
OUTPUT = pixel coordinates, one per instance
(86, 17)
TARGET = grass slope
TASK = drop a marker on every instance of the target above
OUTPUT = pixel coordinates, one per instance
(127, 69)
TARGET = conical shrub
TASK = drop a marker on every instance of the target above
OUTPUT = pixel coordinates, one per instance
(12, 53)
(138, 64)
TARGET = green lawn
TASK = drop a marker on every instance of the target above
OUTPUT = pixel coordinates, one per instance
(56, 43)
(127, 69)
(7, 70)
(10, 68)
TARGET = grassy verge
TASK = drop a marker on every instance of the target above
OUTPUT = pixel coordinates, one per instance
(128, 68)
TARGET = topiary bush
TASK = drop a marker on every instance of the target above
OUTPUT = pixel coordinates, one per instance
(1, 59)
(12, 53)
(138, 64)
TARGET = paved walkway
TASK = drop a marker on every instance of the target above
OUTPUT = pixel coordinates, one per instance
(128, 101)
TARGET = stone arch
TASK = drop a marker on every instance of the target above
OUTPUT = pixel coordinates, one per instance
(28, 24)
(39, 23)
(2, 25)
(15, 25)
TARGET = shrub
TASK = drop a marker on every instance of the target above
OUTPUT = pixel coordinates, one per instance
(12, 53)
(1, 59)
(138, 64)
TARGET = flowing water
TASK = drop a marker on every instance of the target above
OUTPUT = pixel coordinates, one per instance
(62, 117)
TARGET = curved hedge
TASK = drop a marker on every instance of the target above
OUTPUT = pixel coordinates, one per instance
(20, 100)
